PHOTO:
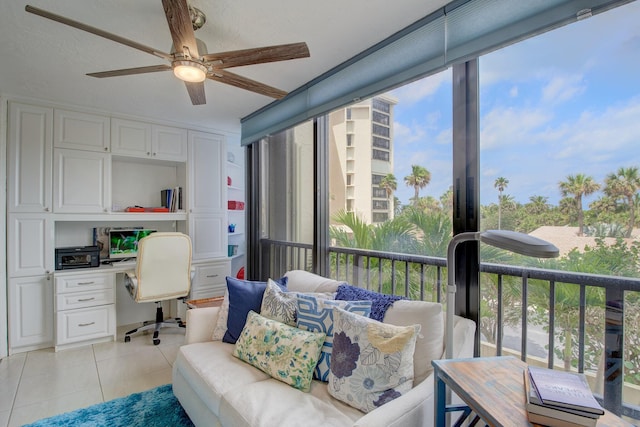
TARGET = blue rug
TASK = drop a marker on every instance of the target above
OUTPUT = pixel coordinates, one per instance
(157, 407)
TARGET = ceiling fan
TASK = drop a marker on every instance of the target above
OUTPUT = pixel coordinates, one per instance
(189, 59)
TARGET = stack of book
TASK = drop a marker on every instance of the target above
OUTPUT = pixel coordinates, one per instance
(171, 198)
(560, 399)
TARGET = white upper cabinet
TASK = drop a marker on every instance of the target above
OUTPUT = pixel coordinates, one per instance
(81, 131)
(207, 173)
(81, 181)
(29, 158)
(168, 143)
(140, 139)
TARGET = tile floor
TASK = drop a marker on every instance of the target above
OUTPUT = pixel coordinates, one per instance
(43, 383)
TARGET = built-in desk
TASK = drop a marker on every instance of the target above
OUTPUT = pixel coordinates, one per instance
(85, 304)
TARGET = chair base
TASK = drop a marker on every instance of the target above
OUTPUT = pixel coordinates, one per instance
(155, 325)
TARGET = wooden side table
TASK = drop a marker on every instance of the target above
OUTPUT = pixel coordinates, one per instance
(205, 302)
(491, 387)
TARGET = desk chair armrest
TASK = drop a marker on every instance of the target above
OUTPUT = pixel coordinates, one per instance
(200, 324)
(131, 282)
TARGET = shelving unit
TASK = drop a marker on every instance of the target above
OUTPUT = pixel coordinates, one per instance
(236, 192)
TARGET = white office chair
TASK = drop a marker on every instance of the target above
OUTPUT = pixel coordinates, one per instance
(163, 271)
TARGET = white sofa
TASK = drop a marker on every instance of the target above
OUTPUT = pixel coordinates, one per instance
(217, 389)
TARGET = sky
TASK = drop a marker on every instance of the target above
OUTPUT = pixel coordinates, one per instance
(562, 103)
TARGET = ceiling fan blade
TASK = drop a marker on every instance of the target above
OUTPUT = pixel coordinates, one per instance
(130, 71)
(259, 55)
(245, 83)
(97, 32)
(177, 13)
(196, 93)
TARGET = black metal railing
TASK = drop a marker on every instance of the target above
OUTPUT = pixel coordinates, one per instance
(424, 278)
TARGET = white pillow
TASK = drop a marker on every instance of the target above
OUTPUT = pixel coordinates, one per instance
(221, 325)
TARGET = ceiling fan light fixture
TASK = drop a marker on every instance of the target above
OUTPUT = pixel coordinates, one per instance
(189, 71)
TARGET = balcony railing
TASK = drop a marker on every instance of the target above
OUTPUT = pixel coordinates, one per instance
(424, 278)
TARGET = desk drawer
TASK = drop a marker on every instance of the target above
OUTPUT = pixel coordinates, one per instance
(211, 274)
(85, 324)
(85, 299)
(84, 282)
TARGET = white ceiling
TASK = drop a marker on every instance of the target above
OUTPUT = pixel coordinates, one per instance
(46, 60)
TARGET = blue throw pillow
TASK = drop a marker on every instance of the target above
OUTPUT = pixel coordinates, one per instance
(379, 302)
(316, 315)
(244, 296)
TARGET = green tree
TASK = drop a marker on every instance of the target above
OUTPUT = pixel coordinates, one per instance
(419, 178)
(624, 184)
(578, 186)
(389, 183)
(501, 184)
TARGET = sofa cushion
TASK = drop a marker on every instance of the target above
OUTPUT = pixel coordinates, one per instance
(286, 353)
(372, 362)
(244, 296)
(430, 341)
(316, 314)
(379, 302)
(272, 403)
(303, 281)
(211, 370)
(279, 305)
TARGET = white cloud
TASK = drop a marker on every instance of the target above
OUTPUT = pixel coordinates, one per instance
(508, 126)
(513, 93)
(562, 88)
(420, 89)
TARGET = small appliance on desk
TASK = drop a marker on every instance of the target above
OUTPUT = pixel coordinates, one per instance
(77, 257)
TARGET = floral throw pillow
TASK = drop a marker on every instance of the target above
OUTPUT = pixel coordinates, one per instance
(316, 314)
(285, 353)
(371, 362)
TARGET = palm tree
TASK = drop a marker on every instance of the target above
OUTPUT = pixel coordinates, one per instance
(501, 184)
(389, 183)
(624, 184)
(419, 178)
(538, 204)
(577, 186)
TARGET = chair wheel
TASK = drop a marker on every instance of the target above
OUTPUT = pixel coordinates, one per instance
(156, 341)
(127, 338)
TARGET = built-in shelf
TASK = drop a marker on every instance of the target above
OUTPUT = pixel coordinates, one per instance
(238, 255)
(236, 233)
(233, 164)
(123, 216)
(233, 187)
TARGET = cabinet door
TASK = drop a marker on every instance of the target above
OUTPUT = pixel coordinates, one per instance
(81, 131)
(29, 158)
(207, 173)
(81, 181)
(130, 138)
(169, 143)
(30, 240)
(30, 313)
(210, 279)
(208, 236)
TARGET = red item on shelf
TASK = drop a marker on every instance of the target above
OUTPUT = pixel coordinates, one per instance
(235, 205)
(228, 180)
(159, 209)
(240, 274)
(134, 209)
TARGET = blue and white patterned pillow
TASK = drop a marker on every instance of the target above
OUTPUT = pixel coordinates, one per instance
(316, 315)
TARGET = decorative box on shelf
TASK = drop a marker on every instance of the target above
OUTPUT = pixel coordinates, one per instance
(235, 205)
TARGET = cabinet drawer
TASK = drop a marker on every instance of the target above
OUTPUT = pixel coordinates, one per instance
(84, 299)
(84, 282)
(208, 291)
(211, 274)
(85, 323)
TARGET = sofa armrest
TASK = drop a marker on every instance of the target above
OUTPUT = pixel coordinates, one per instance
(414, 408)
(200, 324)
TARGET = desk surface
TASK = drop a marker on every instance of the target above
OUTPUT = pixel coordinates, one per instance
(116, 267)
(493, 388)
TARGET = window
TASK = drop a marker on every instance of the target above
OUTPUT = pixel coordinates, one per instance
(380, 217)
(381, 118)
(379, 192)
(349, 140)
(348, 113)
(376, 179)
(380, 155)
(380, 105)
(379, 205)
(381, 142)
(380, 130)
